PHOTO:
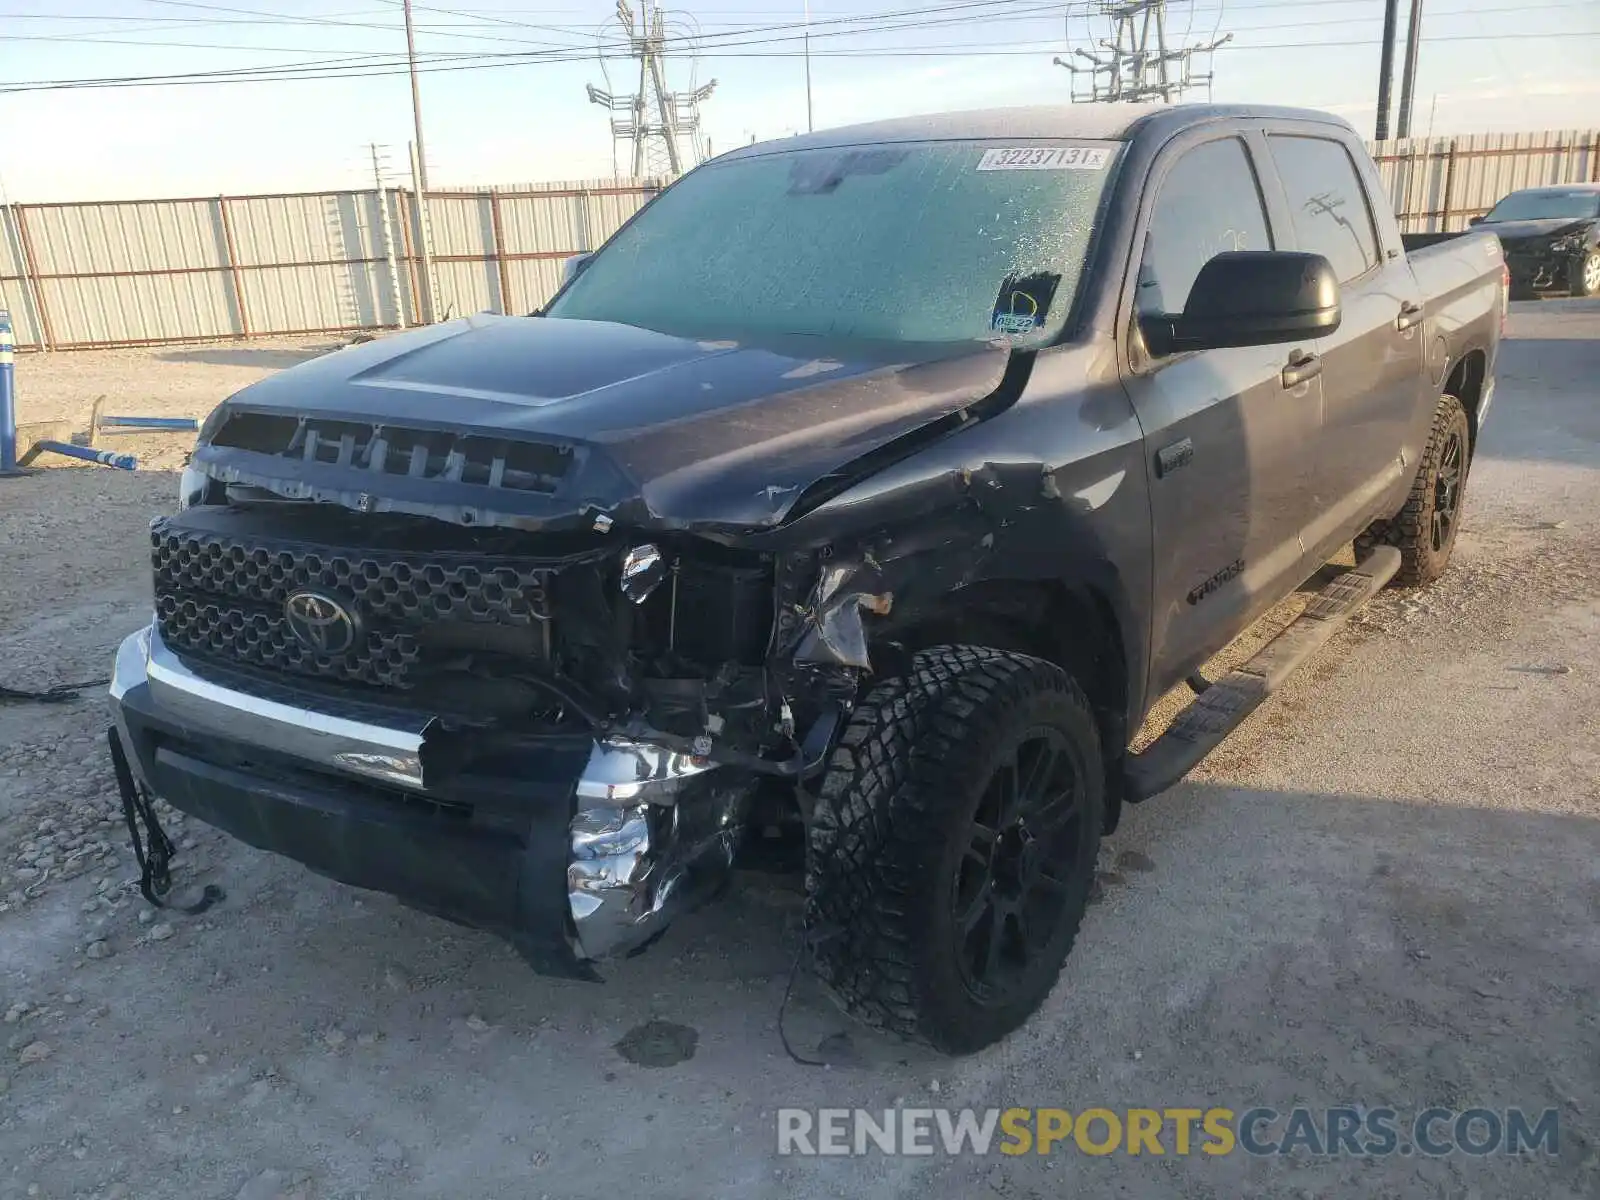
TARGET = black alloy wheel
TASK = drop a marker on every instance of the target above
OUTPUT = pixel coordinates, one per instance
(1012, 884)
(1447, 489)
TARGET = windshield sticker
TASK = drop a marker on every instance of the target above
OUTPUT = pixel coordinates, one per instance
(1023, 303)
(1046, 158)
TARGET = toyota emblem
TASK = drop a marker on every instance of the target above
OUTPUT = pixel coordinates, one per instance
(320, 623)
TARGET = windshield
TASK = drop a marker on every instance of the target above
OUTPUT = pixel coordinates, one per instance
(1543, 206)
(922, 242)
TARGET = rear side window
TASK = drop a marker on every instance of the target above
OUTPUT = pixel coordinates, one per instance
(1209, 202)
(1327, 202)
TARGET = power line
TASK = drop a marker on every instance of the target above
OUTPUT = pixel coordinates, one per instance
(870, 22)
(326, 69)
(501, 17)
(1026, 11)
(437, 31)
(267, 19)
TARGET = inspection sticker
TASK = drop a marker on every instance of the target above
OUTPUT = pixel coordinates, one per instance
(1046, 158)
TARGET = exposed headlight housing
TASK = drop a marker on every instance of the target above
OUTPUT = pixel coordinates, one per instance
(643, 569)
(1570, 244)
(192, 485)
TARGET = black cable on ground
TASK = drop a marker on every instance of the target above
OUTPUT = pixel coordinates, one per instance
(783, 1007)
(61, 693)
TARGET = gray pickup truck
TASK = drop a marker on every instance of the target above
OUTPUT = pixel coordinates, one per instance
(871, 484)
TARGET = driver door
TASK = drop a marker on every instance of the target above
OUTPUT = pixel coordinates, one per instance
(1230, 434)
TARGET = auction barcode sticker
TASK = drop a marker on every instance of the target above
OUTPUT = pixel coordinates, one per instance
(1046, 158)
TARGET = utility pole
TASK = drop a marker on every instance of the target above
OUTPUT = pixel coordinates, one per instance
(810, 127)
(660, 128)
(416, 98)
(1136, 63)
(1391, 17)
(419, 175)
(1408, 81)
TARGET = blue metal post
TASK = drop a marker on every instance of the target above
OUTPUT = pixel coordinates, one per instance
(179, 424)
(106, 458)
(8, 396)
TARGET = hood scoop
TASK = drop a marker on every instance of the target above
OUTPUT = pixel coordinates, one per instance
(408, 452)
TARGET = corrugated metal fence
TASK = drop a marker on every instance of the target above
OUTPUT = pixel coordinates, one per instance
(146, 272)
(1437, 184)
(139, 273)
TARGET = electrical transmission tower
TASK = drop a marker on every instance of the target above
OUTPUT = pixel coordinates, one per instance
(657, 131)
(1135, 63)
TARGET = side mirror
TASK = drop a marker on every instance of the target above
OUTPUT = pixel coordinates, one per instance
(1474, 220)
(573, 267)
(1251, 298)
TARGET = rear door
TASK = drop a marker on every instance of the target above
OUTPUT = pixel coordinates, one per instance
(1372, 366)
(1229, 440)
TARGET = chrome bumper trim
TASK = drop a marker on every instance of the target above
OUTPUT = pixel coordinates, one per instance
(353, 739)
(621, 772)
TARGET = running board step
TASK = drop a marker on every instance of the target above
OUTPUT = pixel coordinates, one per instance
(1220, 708)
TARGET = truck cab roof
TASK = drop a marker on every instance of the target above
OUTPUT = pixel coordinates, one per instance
(1101, 122)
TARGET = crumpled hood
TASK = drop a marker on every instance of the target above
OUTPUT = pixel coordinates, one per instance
(1514, 232)
(660, 430)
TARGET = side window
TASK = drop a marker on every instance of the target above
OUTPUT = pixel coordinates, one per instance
(1209, 202)
(1327, 202)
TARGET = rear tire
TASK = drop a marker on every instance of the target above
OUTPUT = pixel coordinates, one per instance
(1425, 528)
(953, 846)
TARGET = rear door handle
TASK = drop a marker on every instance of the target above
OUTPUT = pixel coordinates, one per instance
(1410, 316)
(1303, 365)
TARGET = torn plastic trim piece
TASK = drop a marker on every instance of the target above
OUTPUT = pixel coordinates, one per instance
(834, 632)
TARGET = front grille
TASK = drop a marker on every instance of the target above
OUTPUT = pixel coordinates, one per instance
(259, 637)
(394, 586)
(221, 583)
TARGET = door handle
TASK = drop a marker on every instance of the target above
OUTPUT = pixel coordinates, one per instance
(1303, 365)
(1410, 316)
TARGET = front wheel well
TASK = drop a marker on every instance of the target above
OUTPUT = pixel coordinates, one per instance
(1073, 626)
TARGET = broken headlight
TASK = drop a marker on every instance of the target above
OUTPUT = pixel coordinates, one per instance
(192, 487)
(643, 569)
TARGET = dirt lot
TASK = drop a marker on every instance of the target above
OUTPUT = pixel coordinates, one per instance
(168, 381)
(1384, 890)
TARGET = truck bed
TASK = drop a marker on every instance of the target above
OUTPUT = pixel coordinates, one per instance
(1454, 274)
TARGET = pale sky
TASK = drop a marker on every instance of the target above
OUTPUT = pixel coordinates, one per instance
(493, 116)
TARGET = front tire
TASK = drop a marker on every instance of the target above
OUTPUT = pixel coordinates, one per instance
(953, 846)
(1425, 528)
(1586, 275)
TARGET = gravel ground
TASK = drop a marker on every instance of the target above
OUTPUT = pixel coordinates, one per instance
(1383, 890)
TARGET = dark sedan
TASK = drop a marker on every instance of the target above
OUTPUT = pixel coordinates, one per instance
(1551, 237)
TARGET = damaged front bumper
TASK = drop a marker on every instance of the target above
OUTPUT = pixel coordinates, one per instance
(574, 848)
(1541, 269)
